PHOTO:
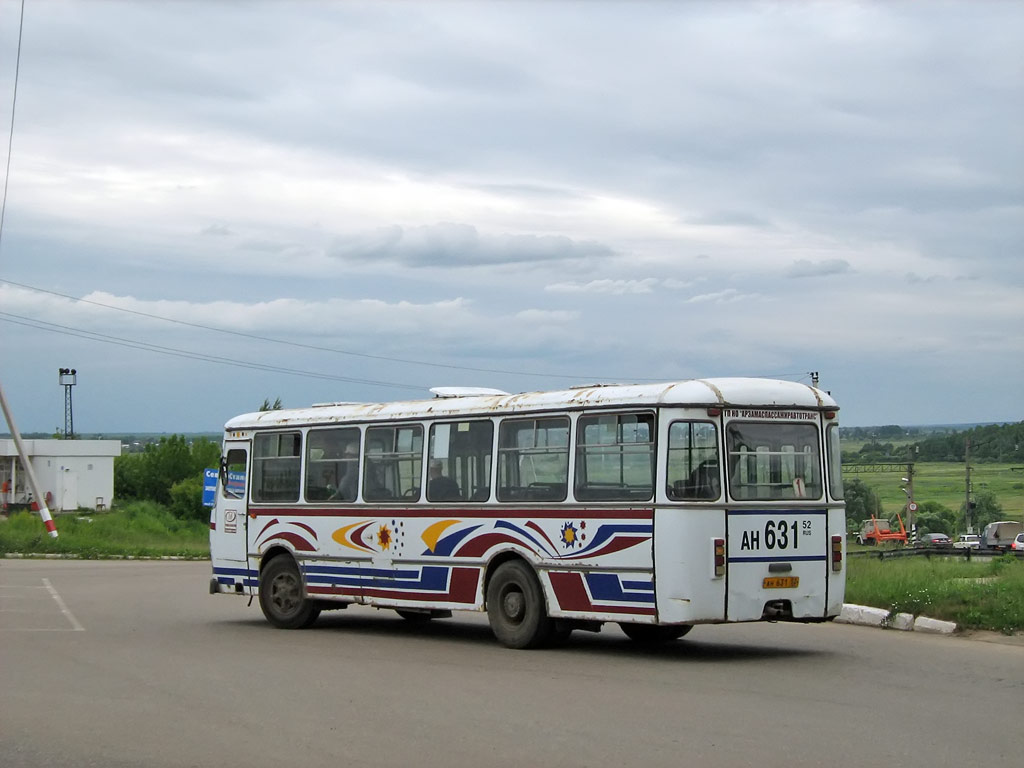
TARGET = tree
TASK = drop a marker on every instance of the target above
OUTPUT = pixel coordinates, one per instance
(986, 510)
(153, 474)
(861, 501)
(932, 517)
(267, 406)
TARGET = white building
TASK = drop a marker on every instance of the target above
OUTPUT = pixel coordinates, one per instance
(72, 474)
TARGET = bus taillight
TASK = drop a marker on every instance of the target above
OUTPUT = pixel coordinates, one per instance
(719, 545)
(837, 553)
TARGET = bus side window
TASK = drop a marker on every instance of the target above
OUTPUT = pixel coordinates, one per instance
(275, 466)
(332, 464)
(393, 463)
(533, 459)
(693, 466)
(459, 461)
(615, 457)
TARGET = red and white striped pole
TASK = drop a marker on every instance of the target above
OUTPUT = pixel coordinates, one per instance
(40, 498)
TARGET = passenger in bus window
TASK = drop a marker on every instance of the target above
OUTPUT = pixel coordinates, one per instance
(349, 483)
(440, 487)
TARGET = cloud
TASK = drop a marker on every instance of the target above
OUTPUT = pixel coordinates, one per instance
(216, 229)
(728, 296)
(459, 245)
(807, 268)
(646, 285)
(731, 219)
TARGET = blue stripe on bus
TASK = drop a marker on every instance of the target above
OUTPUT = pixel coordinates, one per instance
(230, 576)
(607, 586)
(779, 559)
(234, 572)
(431, 578)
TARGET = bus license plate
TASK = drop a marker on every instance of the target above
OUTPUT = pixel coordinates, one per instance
(780, 582)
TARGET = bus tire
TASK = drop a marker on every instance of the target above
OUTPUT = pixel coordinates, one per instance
(654, 634)
(515, 607)
(416, 617)
(282, 597)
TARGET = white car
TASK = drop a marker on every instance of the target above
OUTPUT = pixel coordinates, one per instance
(1018, 543)
(968, 541)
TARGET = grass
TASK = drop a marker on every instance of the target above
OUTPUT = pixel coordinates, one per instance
(139, 529)
(974, 594)
(944, 482)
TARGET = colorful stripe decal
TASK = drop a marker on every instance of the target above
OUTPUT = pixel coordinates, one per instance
(588, 595)
(431, 583)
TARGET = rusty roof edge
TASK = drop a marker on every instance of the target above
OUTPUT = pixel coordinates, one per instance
(751, 392)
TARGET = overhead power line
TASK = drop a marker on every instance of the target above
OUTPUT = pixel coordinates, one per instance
(301, 345)
(184, 353)
(10, 136)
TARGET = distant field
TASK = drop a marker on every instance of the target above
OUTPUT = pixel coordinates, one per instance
(899, 444)
(944, 482)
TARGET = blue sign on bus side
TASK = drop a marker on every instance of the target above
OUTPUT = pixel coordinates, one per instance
(236, 486)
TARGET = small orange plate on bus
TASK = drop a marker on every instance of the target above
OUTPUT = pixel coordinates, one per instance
(780, 582)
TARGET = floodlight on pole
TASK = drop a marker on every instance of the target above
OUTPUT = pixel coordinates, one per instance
(68, 377)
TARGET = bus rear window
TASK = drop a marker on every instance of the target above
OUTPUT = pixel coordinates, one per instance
(773, 461)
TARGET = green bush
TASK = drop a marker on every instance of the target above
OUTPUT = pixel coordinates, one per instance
(187, 499)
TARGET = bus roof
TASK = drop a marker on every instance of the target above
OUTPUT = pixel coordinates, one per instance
(722, 392)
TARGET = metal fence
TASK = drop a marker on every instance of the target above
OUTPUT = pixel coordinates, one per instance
(929, 552)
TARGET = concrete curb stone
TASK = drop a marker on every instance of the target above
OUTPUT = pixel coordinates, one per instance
(867, 616)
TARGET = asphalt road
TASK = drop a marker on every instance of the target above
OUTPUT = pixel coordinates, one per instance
(133, 664)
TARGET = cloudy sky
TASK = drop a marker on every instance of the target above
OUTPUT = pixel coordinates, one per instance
(214, 203)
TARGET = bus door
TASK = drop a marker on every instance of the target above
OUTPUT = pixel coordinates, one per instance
(228, 543)
(777, 540)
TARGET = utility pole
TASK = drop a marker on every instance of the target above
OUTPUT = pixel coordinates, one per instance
(26, 464)
(814, 378)
(908, 490)
(967, 486)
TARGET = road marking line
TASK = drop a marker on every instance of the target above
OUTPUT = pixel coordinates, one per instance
(63, 608)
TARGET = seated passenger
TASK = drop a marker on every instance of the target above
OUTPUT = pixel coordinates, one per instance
(349, 483)
(440, 487)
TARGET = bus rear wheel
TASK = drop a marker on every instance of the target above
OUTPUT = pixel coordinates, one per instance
(282, 598)
(654, 634)
(515, 607)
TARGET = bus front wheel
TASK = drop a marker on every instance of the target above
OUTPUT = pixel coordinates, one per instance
(654, 634)
(515, 607)
(282, 598)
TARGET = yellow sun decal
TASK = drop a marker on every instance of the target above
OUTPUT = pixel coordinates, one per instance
(569, 537)
(384, 537)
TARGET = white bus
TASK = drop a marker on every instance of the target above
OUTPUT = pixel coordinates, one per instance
(655, 506)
